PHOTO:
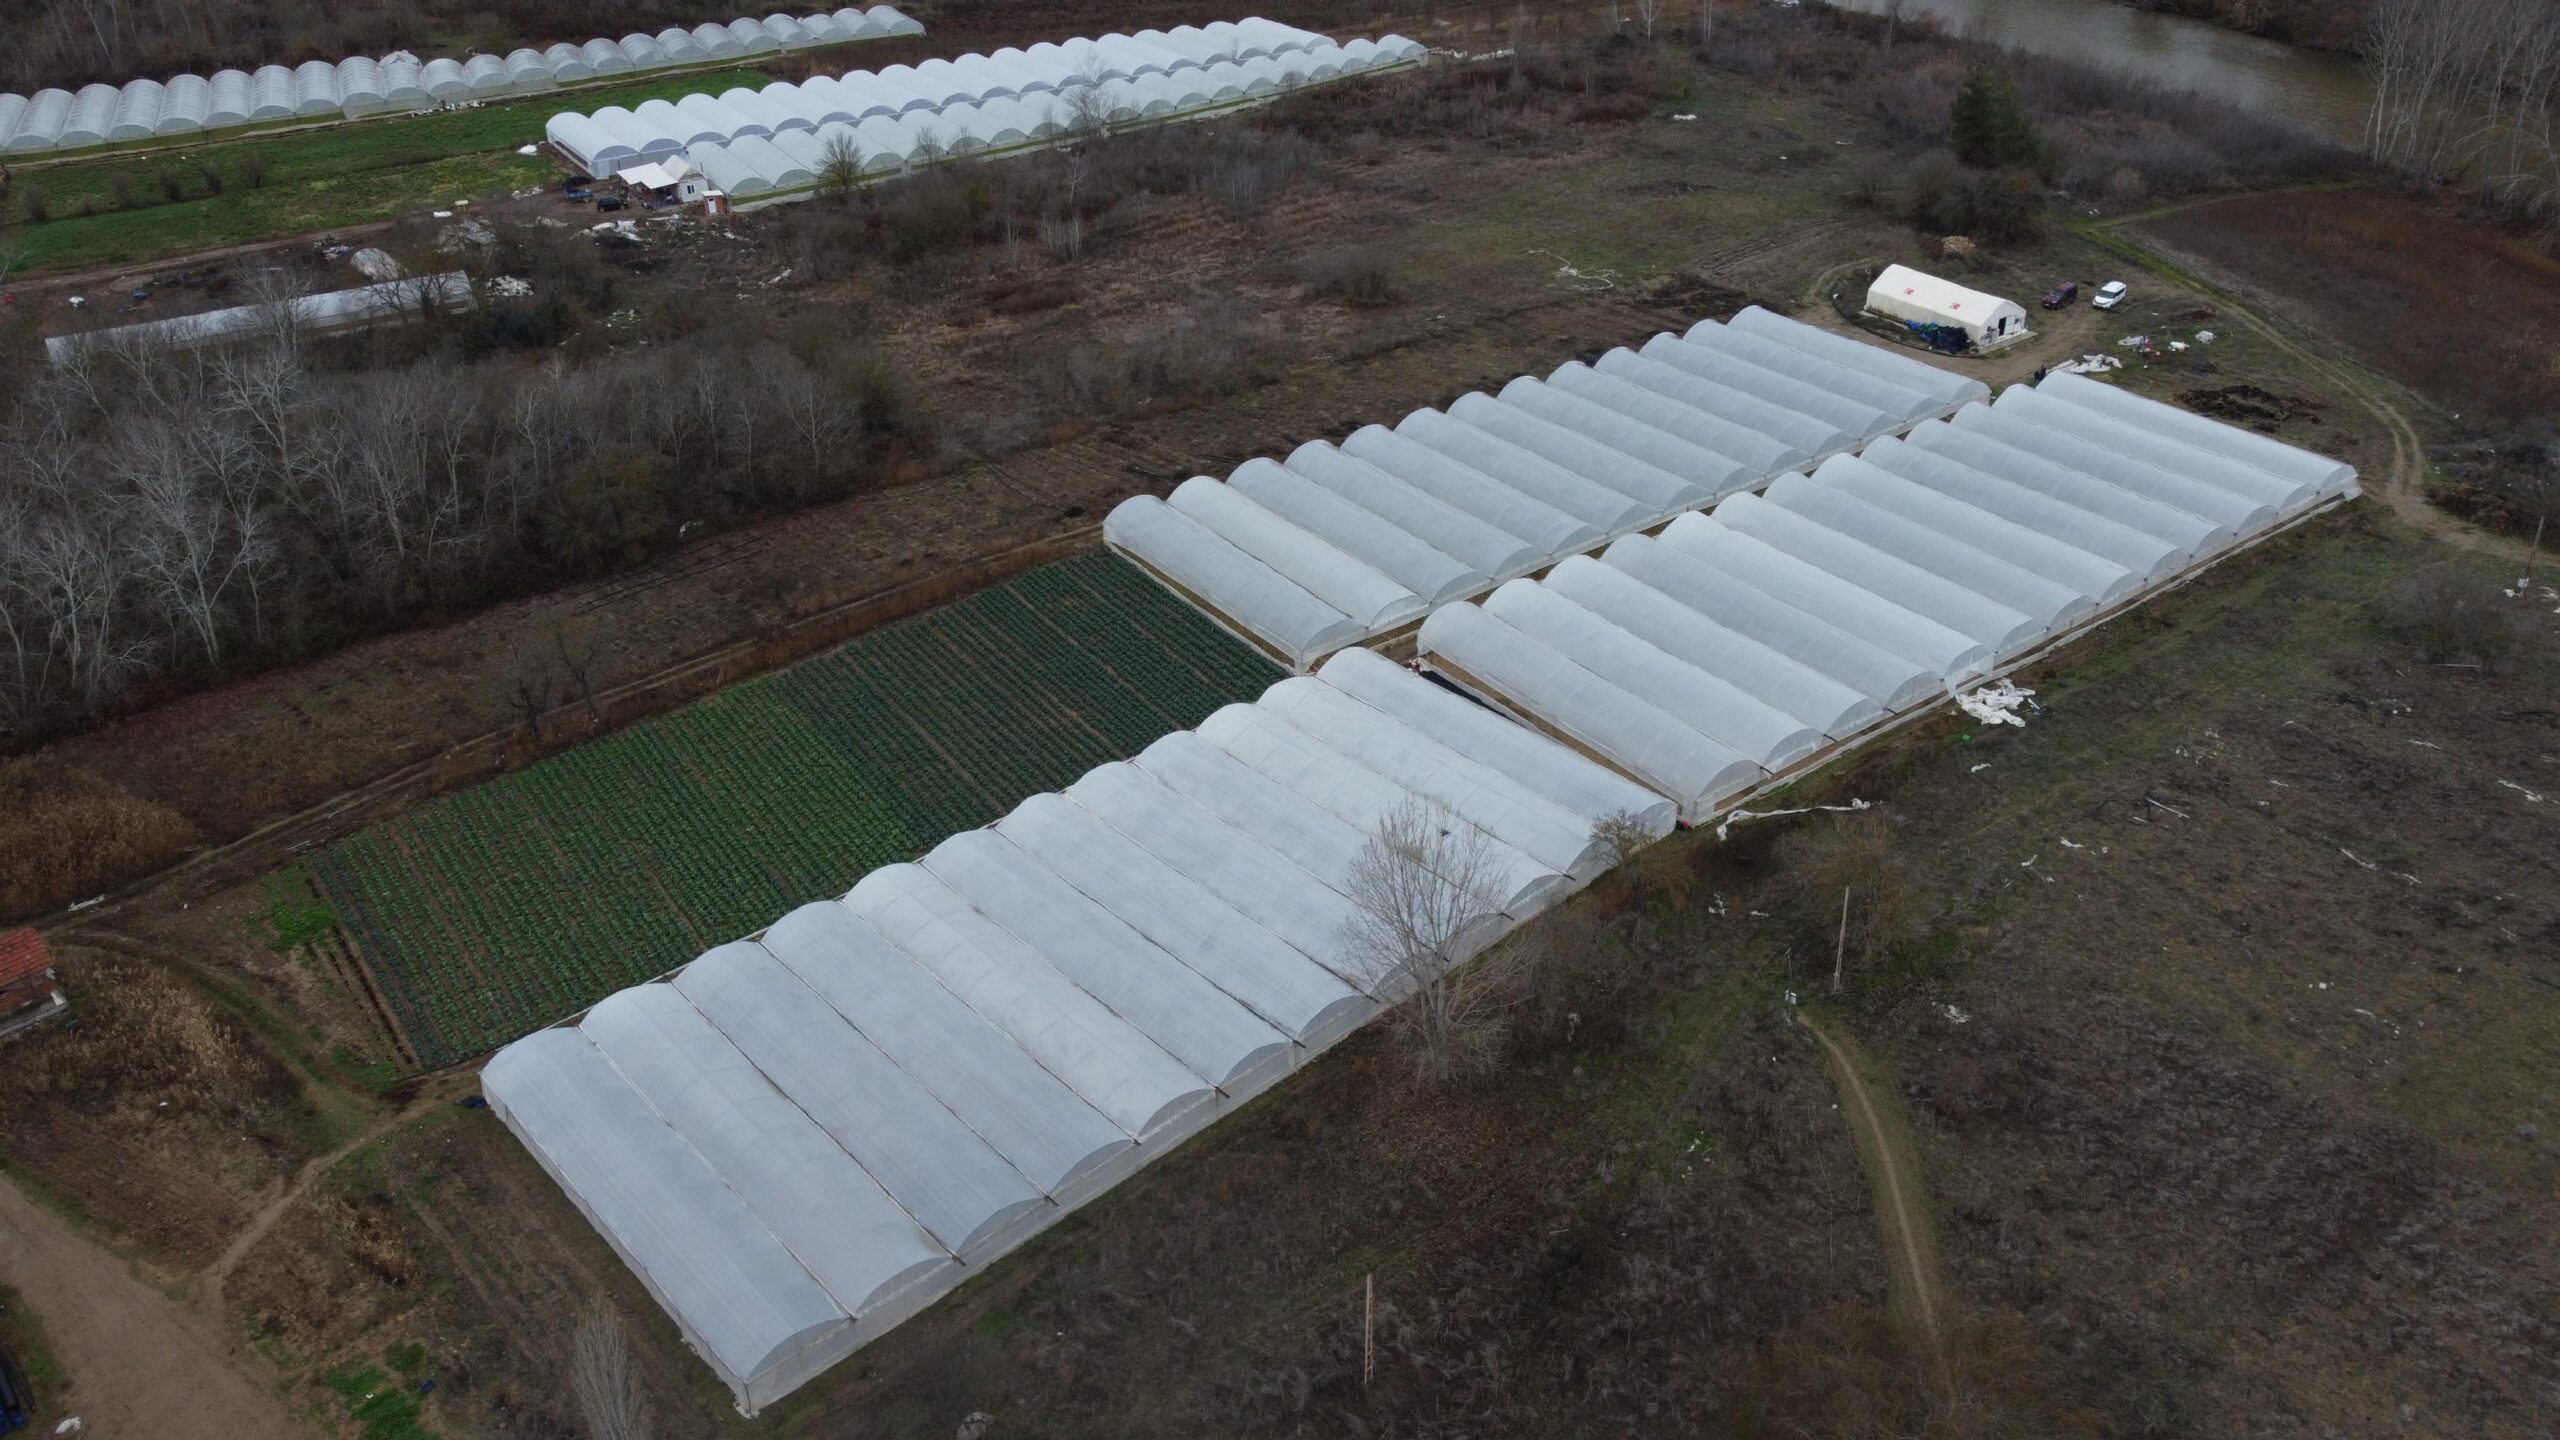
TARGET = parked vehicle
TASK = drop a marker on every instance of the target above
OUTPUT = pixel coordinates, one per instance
(611, 202)
(2109, 296)
(2062, 294)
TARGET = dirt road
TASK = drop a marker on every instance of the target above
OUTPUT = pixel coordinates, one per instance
(1920, 1289)
(138, 1369)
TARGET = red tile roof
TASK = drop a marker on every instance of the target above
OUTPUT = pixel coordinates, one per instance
(22, 956)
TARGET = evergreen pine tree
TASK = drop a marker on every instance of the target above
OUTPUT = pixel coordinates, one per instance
(1992, 128)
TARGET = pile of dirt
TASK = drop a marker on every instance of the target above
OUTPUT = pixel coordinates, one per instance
(2259, 409)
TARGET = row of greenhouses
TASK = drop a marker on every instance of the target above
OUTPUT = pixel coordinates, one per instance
(805, 1137)
(802, 1138)
(756, 142)
(1743, 643)
(361, 86)
(1338, 543)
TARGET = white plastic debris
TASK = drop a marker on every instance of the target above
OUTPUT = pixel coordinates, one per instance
(1738, 816)
(1955, 1014)
(1978, 769)
(510, 287)
(2531, 797)
(528, 149)
(2177, 344)
(441, 214)
(1684, 117)
(1997, 703)
(2089, 365)
(2204, 337)
(375, 265)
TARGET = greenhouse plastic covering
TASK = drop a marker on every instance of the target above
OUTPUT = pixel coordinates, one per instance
(803, 1137)
(981, 103)
(1748, 641)
(1336, 544)
(336, 310)
(362, 86)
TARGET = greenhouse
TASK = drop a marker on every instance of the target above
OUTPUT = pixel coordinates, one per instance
(989, 103)
(1451, 503)
(361, 86)
(804, 1137)
(1749, 640)
(391, 300)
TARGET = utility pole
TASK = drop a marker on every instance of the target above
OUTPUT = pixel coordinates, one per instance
(1840, 953)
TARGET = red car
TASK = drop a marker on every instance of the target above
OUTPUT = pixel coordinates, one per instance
(2061, 295)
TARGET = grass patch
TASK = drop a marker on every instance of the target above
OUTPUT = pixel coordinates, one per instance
(119, 209)
(383, 1409)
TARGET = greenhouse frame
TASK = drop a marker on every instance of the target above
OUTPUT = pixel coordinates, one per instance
(803, 1137)
(360, 87)
(1338, 544)
(1750, 641)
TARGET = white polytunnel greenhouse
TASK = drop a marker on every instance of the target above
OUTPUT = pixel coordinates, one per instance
(361, 86)
(991, 103)
(1340, 544)
(1749, 641)
(389, 301)
(803, 1137)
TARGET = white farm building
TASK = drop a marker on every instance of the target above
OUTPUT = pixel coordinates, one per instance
(1907, 295)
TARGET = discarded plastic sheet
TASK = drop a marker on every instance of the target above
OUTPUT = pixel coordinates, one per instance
(1997, 704)
(1736, 817)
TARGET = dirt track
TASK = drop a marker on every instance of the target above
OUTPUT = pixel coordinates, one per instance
(1920, 1282)
(139, 1369)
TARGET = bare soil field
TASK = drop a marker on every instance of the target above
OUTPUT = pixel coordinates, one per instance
(2464, 313)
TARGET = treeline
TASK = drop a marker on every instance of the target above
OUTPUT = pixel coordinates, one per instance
(2313, 24)
(169, 515)
(2467, 88)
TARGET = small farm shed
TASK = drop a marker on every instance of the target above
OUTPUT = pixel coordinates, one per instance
(674, 178)
(28, 996)
(1905, 294)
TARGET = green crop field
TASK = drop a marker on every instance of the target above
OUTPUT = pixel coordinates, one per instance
(132, 208)
(498, 909)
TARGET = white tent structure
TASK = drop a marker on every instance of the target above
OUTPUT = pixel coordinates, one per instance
(983, 104)
(361, 86)
(1914, 298)
(1750, 641)
(804, 1137)
(1337, 544)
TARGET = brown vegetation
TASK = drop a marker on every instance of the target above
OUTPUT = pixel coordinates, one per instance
(70, 832)
(156, 1114)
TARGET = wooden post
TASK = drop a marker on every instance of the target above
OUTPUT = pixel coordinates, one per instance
(1840, 953)
(1369, 1329)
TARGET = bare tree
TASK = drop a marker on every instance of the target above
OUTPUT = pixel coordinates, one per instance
(1424, 888)
(1648, 15)
(583, 651)
(605, 1384)
(839, 167)
(533, 678)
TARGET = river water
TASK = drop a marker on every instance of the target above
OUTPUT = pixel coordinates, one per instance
(2321, 91)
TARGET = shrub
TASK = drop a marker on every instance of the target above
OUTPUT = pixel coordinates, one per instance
(1360, 275)
(1852, 853)
(123, 191)
(252, 165)
(173, 185)
(36, 204)
(2451, 618)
